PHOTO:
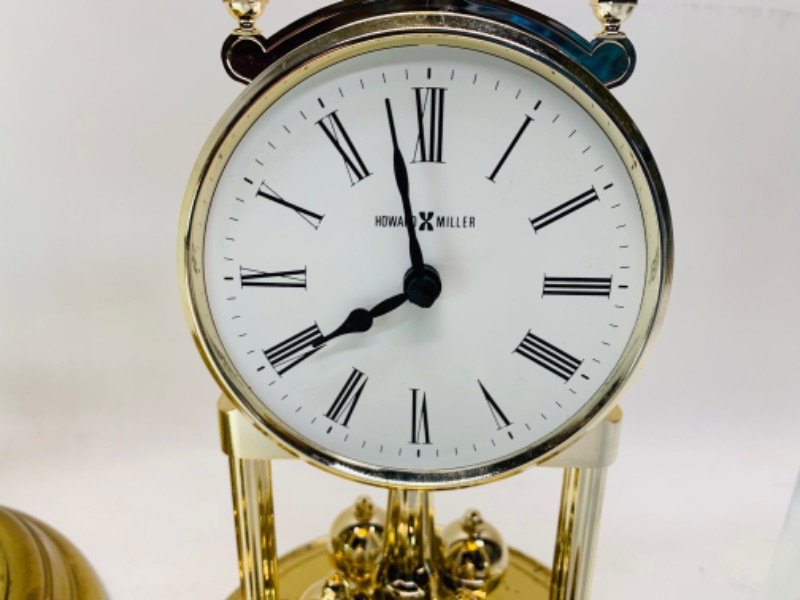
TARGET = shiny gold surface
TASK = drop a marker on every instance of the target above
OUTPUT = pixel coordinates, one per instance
(356, 541)
(612, 14)
(408, 564)
(38, 563)
(358, 544)
(366, 35)
(241, 439)
(576, 537)
(254, 516)
(526, 579)
(596, 448)
(474, 554)
(246, 12)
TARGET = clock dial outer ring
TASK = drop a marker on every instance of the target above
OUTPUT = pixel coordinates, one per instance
(310, 56)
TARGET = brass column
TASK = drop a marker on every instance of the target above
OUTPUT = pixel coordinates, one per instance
(576, 537)
(407, 566)
(253, 513)
(250, 453)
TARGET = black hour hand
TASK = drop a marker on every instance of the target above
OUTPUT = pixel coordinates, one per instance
(361, 319)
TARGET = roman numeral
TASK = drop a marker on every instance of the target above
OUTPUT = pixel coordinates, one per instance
(295, 350)
(342, 408)
(577, 286)
(308, 216)
(569, 207)
(548, 356)
(336, 133)
(510, 148)
(420, 431)
(277, 279)
(499, 416)
(430, 124)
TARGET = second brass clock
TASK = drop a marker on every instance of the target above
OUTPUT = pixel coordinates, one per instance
(424, 250)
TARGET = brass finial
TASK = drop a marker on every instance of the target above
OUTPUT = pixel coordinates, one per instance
(612, 14)
(364, 509)
(356, 540)
(246, 12)
(475, 557)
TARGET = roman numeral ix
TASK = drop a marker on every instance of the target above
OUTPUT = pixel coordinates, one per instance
(277, 279)
(548, 356)
(420, 431)
(577, 286)
(337, 134)
(561, 211)
(296, 349)
(312, 218)
(342, 408)
(430, 124)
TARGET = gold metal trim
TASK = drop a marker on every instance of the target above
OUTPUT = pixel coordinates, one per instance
(254, 517)
(241, 439)
(526, 579)
(370, 34)
(582, 496)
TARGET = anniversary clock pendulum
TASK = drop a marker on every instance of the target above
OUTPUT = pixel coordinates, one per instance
(425, 249)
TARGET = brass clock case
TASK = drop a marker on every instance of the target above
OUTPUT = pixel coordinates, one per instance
(306, 51)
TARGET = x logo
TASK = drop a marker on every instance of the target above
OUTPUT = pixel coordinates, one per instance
(426, 224)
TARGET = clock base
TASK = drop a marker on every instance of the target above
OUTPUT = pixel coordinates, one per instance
(300, 569)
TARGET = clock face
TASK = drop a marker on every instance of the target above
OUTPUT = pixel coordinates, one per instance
(520, 201)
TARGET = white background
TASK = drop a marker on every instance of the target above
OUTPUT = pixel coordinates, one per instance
(107, 414)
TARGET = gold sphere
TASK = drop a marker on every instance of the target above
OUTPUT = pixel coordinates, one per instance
(39, 563)
(475, 556)
(356, 540)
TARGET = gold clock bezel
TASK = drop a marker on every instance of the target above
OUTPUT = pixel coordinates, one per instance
(369, 34)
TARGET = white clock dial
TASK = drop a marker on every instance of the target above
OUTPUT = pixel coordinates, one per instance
(521, 202)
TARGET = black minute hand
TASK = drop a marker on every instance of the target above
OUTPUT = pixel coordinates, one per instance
(401, 175)
(360, 320)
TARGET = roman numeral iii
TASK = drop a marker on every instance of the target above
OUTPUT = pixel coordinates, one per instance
(312, 218)
(430, 124)
(296, 349)
(338, 136)
(561, 211)
(342, 408)
(277, 279)
(548, 356)
(577, 286)
(420, 430)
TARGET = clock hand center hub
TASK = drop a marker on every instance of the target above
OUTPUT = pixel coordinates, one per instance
(422, 288)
